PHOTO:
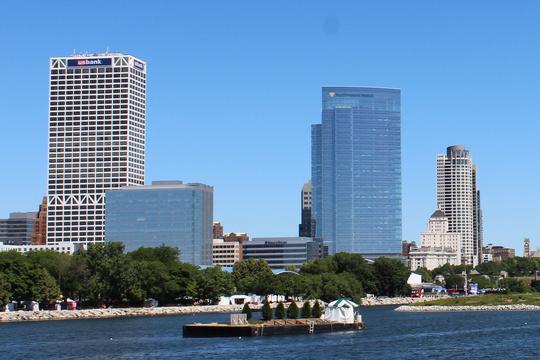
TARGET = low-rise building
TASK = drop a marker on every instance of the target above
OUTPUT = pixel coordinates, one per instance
(64, 248)
(499, 253)
(439, 246)
(226, 253)
(281, 252)
(432, 257)
(18, 228)
(487, 257)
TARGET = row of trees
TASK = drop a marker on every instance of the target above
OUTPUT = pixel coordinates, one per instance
(106, 275)
(291, 312)
(519, 270)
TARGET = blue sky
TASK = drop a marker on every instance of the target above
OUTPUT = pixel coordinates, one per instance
(234, 86)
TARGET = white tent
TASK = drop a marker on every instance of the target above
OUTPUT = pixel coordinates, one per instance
(341, 310)
(414, 280)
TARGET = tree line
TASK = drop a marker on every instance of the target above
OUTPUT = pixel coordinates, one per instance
(520, 270)
(104, 275)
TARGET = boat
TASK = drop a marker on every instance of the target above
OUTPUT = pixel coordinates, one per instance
(339, 315)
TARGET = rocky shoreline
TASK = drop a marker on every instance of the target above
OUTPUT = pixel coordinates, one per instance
(440, 308)
(386, 301)
(18, 316)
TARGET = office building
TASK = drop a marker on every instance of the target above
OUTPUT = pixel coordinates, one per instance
(165, 213)
(97, 127)
(356, 171)
(459, 199)
(39, 235)
(526, 247)
(217, 230)
(18, 228)
(406, 247)
(282, 252)
(438, 235)
(64, 248)
(432, 257)
(499, 253)
(226, 253)
(438, 246)
(237, 237)
(304, 229)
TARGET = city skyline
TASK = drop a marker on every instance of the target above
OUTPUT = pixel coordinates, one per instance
(430, 77)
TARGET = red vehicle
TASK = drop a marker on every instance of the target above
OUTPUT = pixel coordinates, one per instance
(455, 292)
(418, 293)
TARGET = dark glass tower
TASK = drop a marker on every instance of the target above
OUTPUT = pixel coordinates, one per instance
(356, 171)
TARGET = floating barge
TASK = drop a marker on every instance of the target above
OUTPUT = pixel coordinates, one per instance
(270, 328)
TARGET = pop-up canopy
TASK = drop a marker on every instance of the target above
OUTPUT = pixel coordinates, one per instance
(341, 310)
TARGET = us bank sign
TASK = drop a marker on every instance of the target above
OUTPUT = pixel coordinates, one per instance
(89, 62)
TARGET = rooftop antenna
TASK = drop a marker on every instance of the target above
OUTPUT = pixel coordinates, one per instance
(107, 51)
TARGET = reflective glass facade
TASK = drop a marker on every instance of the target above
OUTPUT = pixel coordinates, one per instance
(170, 213)
(356, 171)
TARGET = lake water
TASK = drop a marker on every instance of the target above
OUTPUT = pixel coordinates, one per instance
(389, 335)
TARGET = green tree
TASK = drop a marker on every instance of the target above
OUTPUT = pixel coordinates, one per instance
(280, 311)
(5, 290)
(292, 311)
(316, 312)
(334, 286)
(67, 270)
(515, 285)
(452, 281)
(253, 276)
(426, 274)
(212, 283)
(483, 281)
(113, 278)
(391, 277)
(266, 310)
(44, 288)
(289, 285)
(247, 310)
(306, 310)
(165, 255)
(340, 263)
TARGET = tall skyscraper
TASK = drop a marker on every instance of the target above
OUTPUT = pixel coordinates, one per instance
(356, 171)
(459, 199)
(304, 229)
(97, 127)
(165, 213)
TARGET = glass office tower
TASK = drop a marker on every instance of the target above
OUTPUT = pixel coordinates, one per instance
(356, 171)
(165, 213)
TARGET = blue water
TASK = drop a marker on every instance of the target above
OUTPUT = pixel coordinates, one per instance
(389, 335)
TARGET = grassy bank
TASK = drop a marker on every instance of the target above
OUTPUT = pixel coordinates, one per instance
(490, 299)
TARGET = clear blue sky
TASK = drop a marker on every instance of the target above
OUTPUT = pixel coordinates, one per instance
(234, 86)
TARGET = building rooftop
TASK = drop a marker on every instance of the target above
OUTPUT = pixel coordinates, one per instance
(166, 184)
(438, 214)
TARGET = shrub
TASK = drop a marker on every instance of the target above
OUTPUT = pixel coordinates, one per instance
(280, 311)
(247, 310)
(266, 310)
(316, 312)
(535, 284)
(292, 311)
(515, 285)
(306, 310)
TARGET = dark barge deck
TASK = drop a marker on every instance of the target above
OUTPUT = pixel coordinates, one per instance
(269, 328)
